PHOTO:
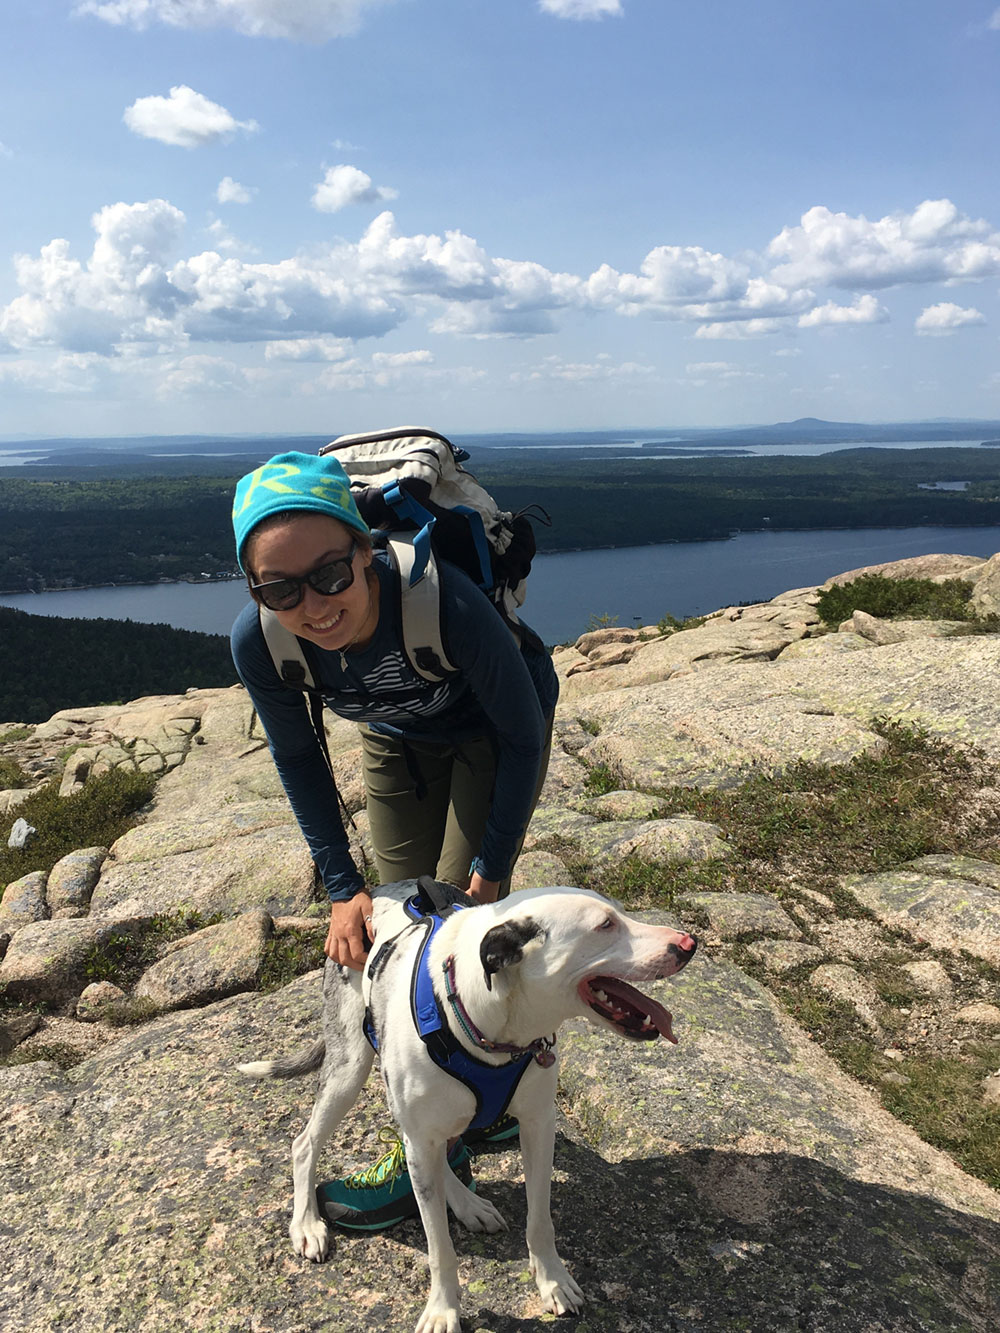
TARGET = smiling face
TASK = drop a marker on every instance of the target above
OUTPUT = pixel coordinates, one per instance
(294, 546)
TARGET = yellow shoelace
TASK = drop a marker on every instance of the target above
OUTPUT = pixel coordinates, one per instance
(386, 1169)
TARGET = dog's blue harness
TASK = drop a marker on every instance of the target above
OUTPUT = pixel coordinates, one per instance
(492, 1085)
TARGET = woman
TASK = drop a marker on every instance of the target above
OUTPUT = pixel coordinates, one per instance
(452, 770)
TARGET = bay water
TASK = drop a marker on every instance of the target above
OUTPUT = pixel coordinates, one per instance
(568, 591)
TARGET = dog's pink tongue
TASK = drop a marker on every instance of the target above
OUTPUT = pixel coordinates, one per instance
(660, 1017)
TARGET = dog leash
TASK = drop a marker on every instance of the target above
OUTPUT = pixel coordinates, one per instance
(540, 1048)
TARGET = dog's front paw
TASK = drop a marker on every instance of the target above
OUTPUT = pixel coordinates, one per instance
(310, 1239)
(559, 1291)
(476, 1213)
(439, 1317)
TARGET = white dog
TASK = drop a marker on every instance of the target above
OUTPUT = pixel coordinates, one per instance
(498, 980)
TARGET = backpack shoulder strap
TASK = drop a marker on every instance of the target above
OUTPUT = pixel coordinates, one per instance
(286, 651)
(293, 669)
(420, 604)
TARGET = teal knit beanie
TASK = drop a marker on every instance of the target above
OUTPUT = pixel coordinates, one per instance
(293, 481)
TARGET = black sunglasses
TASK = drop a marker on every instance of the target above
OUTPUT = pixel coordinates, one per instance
(285, 594)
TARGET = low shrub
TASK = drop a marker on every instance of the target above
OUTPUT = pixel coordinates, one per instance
(603, 621)
(13, 734)
(600, 780)
(101, 811)
(669, 624)
(12, 775)
(913, 599)
(124, 957)
(291, 954)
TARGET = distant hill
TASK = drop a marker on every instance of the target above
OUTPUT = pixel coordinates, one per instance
(47, 663)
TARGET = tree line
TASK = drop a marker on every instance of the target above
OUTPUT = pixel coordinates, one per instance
(76, 531)
(47, 663)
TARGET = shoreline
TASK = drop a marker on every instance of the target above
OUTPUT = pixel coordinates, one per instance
(564, 550)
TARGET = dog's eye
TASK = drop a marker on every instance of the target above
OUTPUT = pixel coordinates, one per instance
(607, 924)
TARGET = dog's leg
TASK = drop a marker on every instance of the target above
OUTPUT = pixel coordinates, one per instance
(341, 1081)
(428, 1170)
(559, 1291)
(472, 1210)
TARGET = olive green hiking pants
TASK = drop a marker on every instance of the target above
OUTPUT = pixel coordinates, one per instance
(428, 805)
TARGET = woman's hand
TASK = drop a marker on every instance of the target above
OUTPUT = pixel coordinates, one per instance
(345, 940)
(483, 890)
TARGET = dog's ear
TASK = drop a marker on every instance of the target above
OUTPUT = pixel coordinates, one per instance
(504, 945)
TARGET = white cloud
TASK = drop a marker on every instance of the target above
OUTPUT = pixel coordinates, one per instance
(711, 368)
(994, 21)
(739, 332)
(387, 370)
(344, 185)
(68, 375)
(230, 300)
(601, 371)
(5, 151)
(307, 349)
(297, 20)
(580, 9)
(865, 310)
(946, 317)
(135, 290)
(702, 373)
(481, 319)
(185, 119)
(232, 192)
(670, 278)
(396, 360)
(223, 238)
(122, 293)
(453, 268)
(199, 374)
(934, 243)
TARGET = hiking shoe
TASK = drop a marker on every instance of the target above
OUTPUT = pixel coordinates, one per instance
(381, 1195)
(502, 1129)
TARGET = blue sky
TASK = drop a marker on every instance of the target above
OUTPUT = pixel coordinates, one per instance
(329, 215)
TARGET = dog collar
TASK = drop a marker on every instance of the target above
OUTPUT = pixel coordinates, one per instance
(540, 1048)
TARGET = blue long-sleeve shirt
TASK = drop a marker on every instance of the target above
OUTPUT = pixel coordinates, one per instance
(499, 689)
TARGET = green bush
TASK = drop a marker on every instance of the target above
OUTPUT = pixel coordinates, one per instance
(12, 775)
(889, 599)
(291, 954)
(600, 780)
(669, 624)
(15, 734)
(124, 957)
(101, 811)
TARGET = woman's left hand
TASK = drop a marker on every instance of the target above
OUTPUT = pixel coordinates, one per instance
(483, 890)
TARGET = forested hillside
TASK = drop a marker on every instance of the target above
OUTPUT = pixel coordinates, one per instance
(48, 663)
(74, 531)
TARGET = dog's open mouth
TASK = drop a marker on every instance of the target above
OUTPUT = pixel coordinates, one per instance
(629, 1011)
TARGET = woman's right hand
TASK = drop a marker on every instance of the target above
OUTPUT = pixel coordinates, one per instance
(345, 940)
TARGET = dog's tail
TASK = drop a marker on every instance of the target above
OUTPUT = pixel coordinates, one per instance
(289, 1066)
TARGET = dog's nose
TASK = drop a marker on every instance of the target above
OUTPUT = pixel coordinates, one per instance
(683, 950)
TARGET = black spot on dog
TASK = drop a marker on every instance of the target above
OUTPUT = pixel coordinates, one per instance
(504, 945)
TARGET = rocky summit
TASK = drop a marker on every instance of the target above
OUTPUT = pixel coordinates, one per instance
(745, 1179)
